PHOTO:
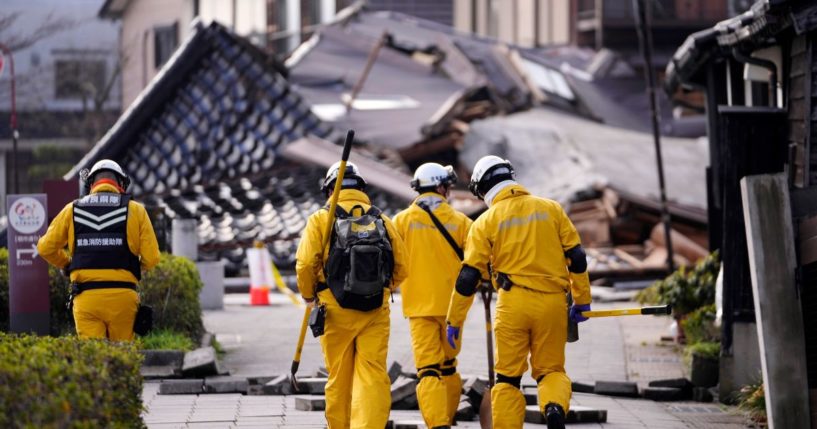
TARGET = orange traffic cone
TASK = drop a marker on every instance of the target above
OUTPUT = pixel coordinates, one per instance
(260, 278)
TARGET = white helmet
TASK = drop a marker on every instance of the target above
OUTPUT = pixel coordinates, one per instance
(489, 171)
(431, 175)
(108, 165)
(351, 177)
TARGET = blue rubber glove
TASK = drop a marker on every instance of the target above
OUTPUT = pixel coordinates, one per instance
(453, 334)
(576, 312)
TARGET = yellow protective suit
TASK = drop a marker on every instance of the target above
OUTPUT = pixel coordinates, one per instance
(102, 313)
(525, 237)
(355, 343)
(426, 292)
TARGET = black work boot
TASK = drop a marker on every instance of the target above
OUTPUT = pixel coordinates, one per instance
(555, 415)
(441, 427)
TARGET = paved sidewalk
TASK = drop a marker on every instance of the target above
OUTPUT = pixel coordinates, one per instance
(260, 341)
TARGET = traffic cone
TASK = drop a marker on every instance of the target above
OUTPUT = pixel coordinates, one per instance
(260, 278)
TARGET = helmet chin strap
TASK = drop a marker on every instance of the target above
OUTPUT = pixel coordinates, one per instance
(490, 195)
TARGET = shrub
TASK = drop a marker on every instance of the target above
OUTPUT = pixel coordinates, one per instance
(167, 340)
(752, 400)
(705, 349)
(70, 383)
(686, 289)
(699, 325)
(172, 289)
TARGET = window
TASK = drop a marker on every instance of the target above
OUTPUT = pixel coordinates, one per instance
(166, 39)
(79, 78)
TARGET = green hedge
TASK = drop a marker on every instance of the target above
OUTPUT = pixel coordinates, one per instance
(171, 288)
(686, 289)
(68, 383)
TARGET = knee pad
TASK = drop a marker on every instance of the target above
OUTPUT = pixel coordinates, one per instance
(449, 368)
(468, 280)
(513, 381)
(428, 371)
(578, 260)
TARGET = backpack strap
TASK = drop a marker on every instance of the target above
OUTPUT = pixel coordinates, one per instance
(443, 231)
(374, 211)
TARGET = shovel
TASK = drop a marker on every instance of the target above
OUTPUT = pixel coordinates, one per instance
(485, 418)
(333, 204)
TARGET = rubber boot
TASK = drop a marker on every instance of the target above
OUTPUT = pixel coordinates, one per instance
(555, 416)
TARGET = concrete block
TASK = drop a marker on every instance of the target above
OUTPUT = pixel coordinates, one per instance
(261, 379)
(465, 411)
(580, 387)
(664, 394)
(313, 385)
(310, 403)
(581, 414)
(185, 238)
(678, 383)
(616, 388)
(211, 295)
(402, 388)
(533, 415)
(160, 372)
(226, 385)
(702, 394)
(200, 362)
(322, 372)
(409, 424)
(162, 358)
(395, 370)
(181, 387)
(255, 390)
(410, 402)
(531, 395)
(279, 386)
(474, 388)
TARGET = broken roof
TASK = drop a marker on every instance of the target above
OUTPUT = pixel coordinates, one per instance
(400, 99)
(206, 139)
(755, 28)
(557, 155)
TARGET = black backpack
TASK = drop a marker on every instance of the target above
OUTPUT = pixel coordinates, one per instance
(361, 260)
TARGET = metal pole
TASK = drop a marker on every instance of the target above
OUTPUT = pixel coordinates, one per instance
(13, 120)
(645, 41)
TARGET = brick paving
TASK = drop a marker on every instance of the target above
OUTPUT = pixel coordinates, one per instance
(260, 341)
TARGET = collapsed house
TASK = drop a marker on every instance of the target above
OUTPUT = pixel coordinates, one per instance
(606, 179)
(229, 136)
(210, 139)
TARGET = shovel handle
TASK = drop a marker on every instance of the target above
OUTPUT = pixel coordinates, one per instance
(659, 309)
(333, 204)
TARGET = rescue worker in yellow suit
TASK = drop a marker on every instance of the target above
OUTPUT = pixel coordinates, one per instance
(535, 257)
(104, 240)
(355, 342)
(427, 290)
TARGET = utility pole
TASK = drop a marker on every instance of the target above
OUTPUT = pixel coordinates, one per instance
(13, 120)
(643, 16)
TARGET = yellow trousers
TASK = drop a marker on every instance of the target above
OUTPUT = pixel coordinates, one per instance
(355, 345)
(106, 313)
(440, 385)
(531, 323)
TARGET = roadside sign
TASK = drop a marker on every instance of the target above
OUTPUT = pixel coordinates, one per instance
(29, 303)
(2, 63)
